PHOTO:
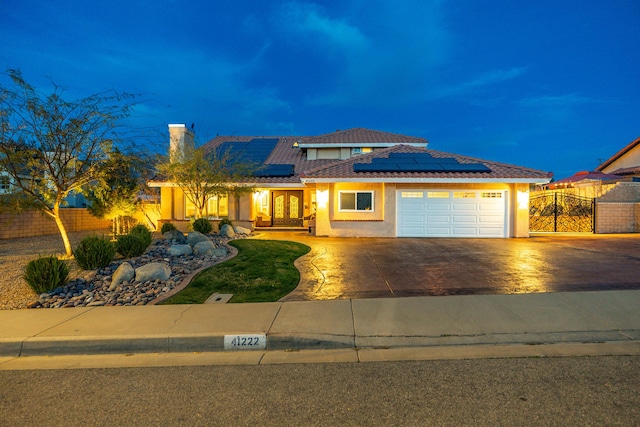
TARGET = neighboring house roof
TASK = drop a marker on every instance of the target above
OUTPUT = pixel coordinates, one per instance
(618, 155)
(634, 170)
(357, 137)
(585, 175)
(344, 170)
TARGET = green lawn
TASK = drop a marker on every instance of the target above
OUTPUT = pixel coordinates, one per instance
(263, 271)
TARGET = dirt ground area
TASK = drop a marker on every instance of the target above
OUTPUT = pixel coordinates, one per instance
(14, 256)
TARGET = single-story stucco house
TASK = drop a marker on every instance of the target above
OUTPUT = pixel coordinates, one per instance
(625, 162)
(365, 183)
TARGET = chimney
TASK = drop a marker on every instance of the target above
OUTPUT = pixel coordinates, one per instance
(180, 139)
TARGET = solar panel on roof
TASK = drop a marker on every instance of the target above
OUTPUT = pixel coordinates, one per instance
(275, 170)
(365, 167)
(467, 167)
(418, 162)
(388, 161)
(255, 151)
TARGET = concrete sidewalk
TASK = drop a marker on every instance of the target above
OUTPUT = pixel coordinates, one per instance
(605, 317)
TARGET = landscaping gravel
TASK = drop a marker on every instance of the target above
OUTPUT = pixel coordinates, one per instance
(91, 288)
(14, 256)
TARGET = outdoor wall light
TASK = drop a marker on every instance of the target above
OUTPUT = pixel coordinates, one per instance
(322, 197)
(523, 199)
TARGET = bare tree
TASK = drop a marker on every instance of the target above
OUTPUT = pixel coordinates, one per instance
(50, 146)
(201, 175)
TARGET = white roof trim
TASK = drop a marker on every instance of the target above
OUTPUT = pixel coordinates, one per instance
(360, 144)
(278, 185)
(430, 180)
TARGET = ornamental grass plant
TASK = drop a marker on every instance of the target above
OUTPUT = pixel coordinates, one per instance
(94, 252)
(46, 273)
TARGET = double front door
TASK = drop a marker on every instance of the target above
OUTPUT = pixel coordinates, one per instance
(287, 208)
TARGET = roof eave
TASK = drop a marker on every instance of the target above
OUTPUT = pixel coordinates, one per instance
(361, 144)
(425, 180)
(619, 154)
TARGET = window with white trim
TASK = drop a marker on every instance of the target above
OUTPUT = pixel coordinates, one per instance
(355, 201)
(361, 150)
(216, 207)
(5, 184)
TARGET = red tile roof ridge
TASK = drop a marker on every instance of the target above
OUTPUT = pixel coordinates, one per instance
(362, 135)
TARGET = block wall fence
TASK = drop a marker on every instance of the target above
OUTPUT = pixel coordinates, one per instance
(617, 217)
(34, 223)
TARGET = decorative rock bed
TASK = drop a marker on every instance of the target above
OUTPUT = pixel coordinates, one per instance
(141, 280)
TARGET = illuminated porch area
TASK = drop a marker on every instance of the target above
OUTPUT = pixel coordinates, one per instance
(283, 208)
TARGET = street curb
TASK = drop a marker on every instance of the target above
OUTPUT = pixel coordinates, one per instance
(67, 346)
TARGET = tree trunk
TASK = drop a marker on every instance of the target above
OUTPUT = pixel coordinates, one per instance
(63, 231)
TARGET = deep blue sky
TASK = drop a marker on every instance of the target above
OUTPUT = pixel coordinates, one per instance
(553, 85)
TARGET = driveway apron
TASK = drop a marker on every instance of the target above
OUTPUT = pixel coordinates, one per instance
(343, 268)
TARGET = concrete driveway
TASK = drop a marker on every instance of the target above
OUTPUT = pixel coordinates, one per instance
(342, 268)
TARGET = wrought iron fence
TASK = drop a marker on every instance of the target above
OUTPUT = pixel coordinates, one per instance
(561, 212)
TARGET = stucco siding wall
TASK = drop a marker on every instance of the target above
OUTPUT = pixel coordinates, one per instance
(629, 159)
(380, 222)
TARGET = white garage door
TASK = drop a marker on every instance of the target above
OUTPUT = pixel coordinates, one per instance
(451, 213)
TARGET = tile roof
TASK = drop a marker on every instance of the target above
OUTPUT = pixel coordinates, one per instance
(344, 168)
(591, 175)
(362, 136)
(634, 170)
(283, 153)
(619, 154)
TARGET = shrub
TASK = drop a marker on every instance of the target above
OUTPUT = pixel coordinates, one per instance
(130, 246)
(202, 225)
(143, 233)
(94, 252)
(224, 221)
(46, 273)
(167, 226)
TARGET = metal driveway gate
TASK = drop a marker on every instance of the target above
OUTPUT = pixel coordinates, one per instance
(560, 212)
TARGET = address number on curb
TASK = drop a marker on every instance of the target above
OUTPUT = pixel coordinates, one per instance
(245, 342)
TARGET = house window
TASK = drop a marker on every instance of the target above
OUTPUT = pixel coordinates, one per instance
(5, 184)
(361, 150)
(355, 201)
(216, 207)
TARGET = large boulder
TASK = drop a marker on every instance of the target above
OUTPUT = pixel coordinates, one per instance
(220, 252)
(179, 250)
(124, 273)
(153, 271)
(195, 237)
(204, 248)
(241, 230)
(176, 235)
(227, 231)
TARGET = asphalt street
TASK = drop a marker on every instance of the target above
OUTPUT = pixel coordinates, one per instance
(516, 391)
